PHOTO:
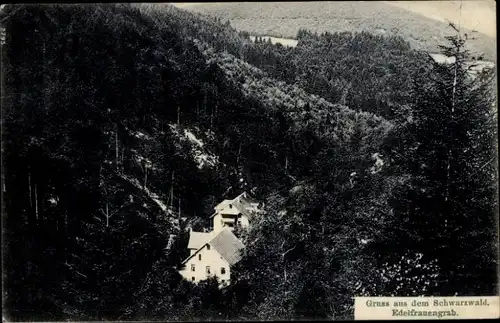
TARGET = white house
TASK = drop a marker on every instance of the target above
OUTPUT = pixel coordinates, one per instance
(235, 212)
(215, 254)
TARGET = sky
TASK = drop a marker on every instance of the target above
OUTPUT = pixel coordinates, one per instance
(476, 15)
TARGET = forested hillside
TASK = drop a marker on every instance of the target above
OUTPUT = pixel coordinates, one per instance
(286, 18)
(123, 126)
(361, 70)
(366, 72)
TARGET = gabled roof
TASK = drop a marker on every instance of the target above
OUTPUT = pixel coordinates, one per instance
(242, 203)
(198, 239)
(222, 204)
(226, 244)
(242, 207)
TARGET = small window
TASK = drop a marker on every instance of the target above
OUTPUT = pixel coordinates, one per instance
(192, 278)
(230, 206)
(192, 267)
(223, 282)
(208, 247)
(223, 271)
(208, 269)
(199, 257)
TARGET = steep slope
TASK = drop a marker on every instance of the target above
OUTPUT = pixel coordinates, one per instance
(267, 97)
(302, 108)
(120, 130)
(95, 178)
(285, 19)
(364, 71)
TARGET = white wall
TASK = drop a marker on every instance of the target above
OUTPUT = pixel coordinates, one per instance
(244, 222)
(208, 258)
(218, 223)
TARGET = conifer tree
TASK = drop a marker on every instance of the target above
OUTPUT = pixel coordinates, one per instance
(448, 152)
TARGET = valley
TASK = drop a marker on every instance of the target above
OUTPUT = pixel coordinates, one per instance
(423, 27)
(276, 40)
(216, 162)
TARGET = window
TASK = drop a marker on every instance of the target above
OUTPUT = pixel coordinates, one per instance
(208, 247)
(223, 282)
(199, 257)
(192, 267)
(208, 269)
(223, 271)
(192, 278)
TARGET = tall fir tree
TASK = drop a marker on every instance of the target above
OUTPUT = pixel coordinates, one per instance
(447, 148)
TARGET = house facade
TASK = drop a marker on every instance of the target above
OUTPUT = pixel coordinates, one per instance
(214, 258)
(213, 253)
(235, 212)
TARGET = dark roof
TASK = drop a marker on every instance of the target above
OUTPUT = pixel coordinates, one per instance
(198, 239)
(226, 244)
(240, 205)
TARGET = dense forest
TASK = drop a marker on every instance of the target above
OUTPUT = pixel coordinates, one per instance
(123, 125)
(361, 70)
(422, 28)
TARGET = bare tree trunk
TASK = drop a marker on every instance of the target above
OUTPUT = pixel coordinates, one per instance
(145, 175)
(123, 157)
(204, 103)
(216, 106)
(178, 114)
(66, 234)
(239, 155)
(36, 202)
(172, 190)
(211, 118)
(286, 162)
(116, 147)
(29, 186)
(448, 166)
(345, 91)
(107, 215)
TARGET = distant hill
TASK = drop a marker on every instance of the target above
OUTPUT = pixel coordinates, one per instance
(124, 124)
(284, 19)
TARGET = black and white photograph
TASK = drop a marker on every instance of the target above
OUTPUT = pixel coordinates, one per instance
(245, 161)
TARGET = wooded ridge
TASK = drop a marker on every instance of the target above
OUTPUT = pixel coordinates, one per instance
(125, 124)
